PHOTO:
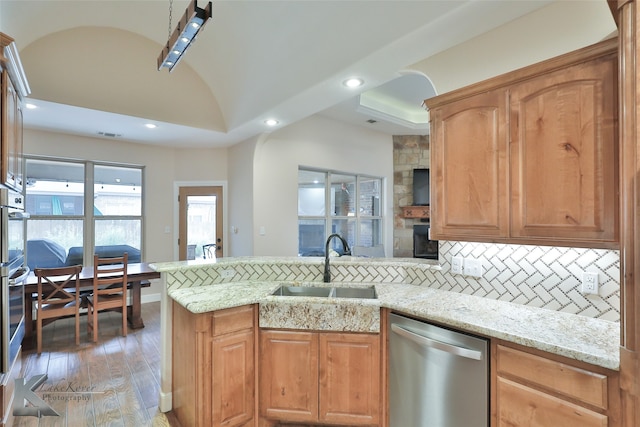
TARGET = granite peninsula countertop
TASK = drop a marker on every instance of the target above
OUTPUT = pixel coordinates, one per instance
(578, 337)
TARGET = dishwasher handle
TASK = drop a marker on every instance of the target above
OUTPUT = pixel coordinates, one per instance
(428, 342)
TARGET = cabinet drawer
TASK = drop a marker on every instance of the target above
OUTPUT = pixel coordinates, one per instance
(585, 386)
(520, 405)
(232, 320)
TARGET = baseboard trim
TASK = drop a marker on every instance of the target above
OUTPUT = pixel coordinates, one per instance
(149, 298)
(165, 401)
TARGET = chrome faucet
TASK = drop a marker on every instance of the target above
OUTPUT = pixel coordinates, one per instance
(345, 247)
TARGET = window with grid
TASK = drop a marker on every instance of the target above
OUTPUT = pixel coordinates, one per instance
(336, 202)
(79, 208)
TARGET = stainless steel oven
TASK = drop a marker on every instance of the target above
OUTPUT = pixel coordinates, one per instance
(13, 273)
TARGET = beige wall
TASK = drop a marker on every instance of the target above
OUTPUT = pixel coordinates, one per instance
(260, 173)
(561, 27)
(316, 142)
(163, 166)
(240, 210)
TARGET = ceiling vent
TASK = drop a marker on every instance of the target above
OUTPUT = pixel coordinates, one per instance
(110, 134)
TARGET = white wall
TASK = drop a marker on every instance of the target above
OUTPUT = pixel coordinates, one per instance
(316, 142)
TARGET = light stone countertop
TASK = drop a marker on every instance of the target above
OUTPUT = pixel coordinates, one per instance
(203, 299)
(248, 260)
(578, 337)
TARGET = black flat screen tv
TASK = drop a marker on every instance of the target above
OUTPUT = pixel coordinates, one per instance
(421, 187)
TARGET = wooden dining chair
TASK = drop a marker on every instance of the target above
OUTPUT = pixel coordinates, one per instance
(109, 291)
(58, 296)
(209, 251)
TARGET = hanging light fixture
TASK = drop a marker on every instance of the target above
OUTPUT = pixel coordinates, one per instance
(184, 34)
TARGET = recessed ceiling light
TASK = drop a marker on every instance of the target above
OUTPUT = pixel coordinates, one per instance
(151, 126)
(31, 106)
(353, 82)
(271, 122)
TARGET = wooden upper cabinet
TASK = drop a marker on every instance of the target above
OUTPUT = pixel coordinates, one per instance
(563, 151)
(13, 88)
(469, 168)
(9, 131)
(530, 157)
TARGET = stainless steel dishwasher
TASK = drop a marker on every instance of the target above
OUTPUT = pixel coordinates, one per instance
(437, 377)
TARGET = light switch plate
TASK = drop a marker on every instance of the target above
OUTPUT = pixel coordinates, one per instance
(456, 264)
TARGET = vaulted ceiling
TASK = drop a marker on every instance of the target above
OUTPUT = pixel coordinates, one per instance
(91, 64)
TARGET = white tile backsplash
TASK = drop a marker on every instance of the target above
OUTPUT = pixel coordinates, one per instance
(539, 276)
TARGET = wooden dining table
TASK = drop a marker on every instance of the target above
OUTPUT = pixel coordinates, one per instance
(138, 276)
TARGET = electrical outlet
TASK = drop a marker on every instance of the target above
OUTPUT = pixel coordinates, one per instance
(227, 274)
(589, 283)
(456, 264)
(473, 267)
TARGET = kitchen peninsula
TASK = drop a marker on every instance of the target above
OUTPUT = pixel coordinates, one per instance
(231, 299)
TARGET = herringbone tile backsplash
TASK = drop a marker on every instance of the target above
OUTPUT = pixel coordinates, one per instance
(539, 276)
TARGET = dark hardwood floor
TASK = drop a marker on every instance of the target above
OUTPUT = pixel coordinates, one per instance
(114, 382)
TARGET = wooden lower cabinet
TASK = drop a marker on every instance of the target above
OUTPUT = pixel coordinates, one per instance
(349, 371)
(213, 367)
(525, 406)
(533, 389)
(289, 375)
(326, 378)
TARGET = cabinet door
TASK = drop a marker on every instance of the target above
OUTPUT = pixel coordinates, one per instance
(15, 158)
(213, 367)
(289, 375)
(349, 378)
(233, 379)
(521, 406)
(564, 148)
(9, 98)
(469, 169)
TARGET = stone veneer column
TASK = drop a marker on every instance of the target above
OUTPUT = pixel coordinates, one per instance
(409, 152)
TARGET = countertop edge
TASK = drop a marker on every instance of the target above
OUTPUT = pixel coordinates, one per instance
(466, 312)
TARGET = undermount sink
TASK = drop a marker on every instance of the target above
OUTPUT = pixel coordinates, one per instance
(367, 293)
(302, 291)
(325, 292)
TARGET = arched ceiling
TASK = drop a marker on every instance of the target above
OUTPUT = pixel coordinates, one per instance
(93, 62)
(113, 70)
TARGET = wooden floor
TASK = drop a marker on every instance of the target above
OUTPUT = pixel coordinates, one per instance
(114, 382)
